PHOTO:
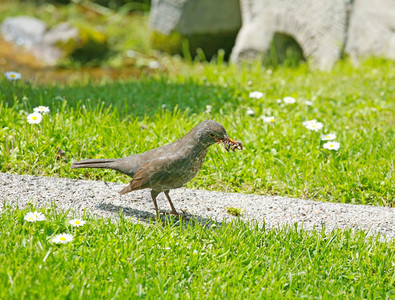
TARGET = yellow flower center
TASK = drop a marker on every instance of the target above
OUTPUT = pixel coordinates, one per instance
(12, 76)
(272, 120)
(34, 118)
(77, 222)
(331, 146)
(62, 238)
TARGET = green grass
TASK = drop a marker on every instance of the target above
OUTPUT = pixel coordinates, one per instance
(121, 260)
(118, 118)
(103, 119)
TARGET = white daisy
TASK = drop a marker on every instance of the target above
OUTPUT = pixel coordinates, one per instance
(34, 216)
(153, 64)
(328, 137)
(315, 126)
(34, 118)
(279, 101)
(289, 100)
(268, 119)
(250, 111)
(41, 109)
(77, 222)
(13, 76)
(208, 108)
(62, 238)
(305, 123)
(331, 145)
(308, 102)
(256, 95)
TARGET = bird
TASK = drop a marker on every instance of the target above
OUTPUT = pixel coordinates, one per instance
(170, 166)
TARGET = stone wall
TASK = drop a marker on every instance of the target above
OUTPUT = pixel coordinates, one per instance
(324, 29)
(372, 29)
(206, 24)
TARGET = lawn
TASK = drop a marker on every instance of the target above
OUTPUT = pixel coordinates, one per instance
(264, 107)
(122, 260)
(110, 119)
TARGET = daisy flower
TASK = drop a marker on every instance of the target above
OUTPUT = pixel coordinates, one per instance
(305, 123)
(11, 76)
(289, 100)
(41, 109)
(34, 118)
(328, 137)
(331, 145)
(62, 238)
(77, 222)
(279, 101)
(34, 216)
(153, 64)
(268, 119)
(208, 108)
(313, 125)
(250, 111)
(256, 95)
(308, 102)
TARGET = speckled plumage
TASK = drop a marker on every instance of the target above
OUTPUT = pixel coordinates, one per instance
(167, 167)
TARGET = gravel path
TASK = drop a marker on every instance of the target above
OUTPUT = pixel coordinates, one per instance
(103, 200)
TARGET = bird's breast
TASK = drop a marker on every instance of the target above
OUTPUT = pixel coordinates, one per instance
(187, 168)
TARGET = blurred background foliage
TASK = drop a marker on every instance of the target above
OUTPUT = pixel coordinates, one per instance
(130, 5)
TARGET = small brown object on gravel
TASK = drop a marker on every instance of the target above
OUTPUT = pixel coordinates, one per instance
(170, 166)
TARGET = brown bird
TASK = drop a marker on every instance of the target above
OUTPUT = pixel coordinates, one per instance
(170, 166)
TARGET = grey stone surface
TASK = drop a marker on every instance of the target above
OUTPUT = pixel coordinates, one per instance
(62, 32)
(372, 29)
(102, 199)
(23, 31)
(208, 25)
(32, 34)
(318, 26)
(189, 17)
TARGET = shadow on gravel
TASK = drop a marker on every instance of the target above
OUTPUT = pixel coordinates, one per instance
(188, 219)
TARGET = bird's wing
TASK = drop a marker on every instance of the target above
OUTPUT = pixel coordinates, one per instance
(153, 172)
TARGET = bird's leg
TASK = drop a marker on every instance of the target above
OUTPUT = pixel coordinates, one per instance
(155, 194)
(173, 209)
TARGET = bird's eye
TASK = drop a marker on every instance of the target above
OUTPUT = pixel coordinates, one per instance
(212, 135)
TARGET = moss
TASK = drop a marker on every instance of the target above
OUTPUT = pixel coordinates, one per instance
(209, 43)
(234, 211)
(92, 45)
(167, 43)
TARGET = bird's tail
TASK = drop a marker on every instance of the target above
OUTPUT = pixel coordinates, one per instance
(94, 163)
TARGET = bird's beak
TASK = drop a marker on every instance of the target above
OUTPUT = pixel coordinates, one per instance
(228, 143)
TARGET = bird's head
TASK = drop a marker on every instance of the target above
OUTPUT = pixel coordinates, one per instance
(211, 132)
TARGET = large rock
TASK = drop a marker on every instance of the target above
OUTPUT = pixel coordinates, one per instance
(318, 26)
(23, 31)
(206, 24)
(32, 34)
(83, 44)
(372, 29)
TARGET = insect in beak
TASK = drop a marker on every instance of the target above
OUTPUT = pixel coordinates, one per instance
(228, 144)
